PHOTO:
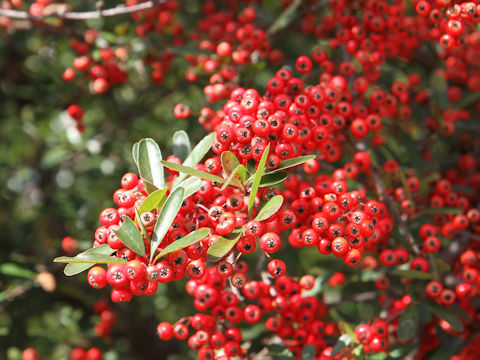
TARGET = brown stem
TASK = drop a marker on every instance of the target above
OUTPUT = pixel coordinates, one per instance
(83, 15)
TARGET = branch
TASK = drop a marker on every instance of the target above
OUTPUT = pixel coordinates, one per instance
(84, 15)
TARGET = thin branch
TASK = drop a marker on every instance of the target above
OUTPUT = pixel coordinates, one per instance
(83, 15)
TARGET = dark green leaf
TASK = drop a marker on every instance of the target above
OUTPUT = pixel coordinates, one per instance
(270, 208)
(166, 217)
(278, 352)
(15, 270)
(149, 186)
(142, 227)
(273, 179)
(195, 156)
(413, 274)
(184, 242)
(408, 323)
(193, 172)
(308, 352)
(181, 144)
(467, 100)
(131, 237)
(285, 18)
(285, 164)
(251, 166)
(341, 344)
(152, 201)
(447, 315)
(444, 210)
(222, 247)
(149, 161)
(257, 179)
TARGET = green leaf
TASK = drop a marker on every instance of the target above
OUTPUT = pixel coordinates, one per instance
(234, 178)
(184, 242)
(191, 186)
(285, 164)
(131, 237)
(222, 247)
(444, 210)
(149, 161)
(285, 18)
(165, 218)
(342, 343)
(195, 156)
(413, 274)
(308, 352)
(149, 186)
(181, 144)
(229, 162)
(185, 170)
(152, 201)
(278, 352)
(467, 100)
(135, 154)
(15, 270)
(257, 179)
(251, 166)
(446, 315)
(84, 260)
(408, 323)
(270, 208)
(273, 179)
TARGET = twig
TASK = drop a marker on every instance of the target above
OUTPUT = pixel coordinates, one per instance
(83, 15)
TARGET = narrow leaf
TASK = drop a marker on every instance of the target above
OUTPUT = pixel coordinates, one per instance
(195, 156)
(135, 154)
(408, 323)
(149, 160)
(222, 247)
(76, 268)
(131, 237)
(285, 164)
(257, 179)
(191, 186)
(15, 270)
(184, 242)
(447, 315)
(233, 179)
(92, 258)
(181, 144)
(285, 18)
(273, 179)
(251, 166)
(152, 201)
(270, 208)
(165, 218)
(186, 170)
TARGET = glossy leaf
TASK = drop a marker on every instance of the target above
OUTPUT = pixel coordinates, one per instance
(257, 179)
(152, 201)
(80, 264)
(273, 179)
(270, 208)
(131, 237)
(408, 323)
(184, 242)
(447, 315)
(181, 144)
(278, 352)
(222, 247)
(285, 164)
(195, 156)
(186, 170)
(165, 218)
(149, 161)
